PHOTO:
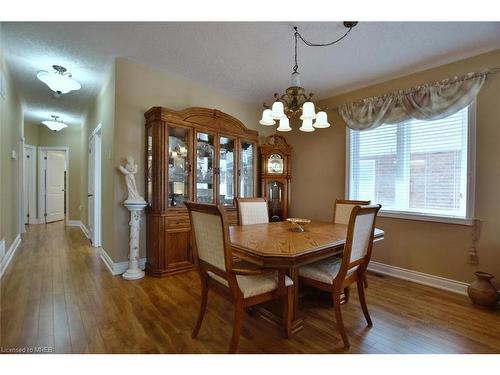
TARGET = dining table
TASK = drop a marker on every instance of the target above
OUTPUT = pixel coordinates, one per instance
(278, 245)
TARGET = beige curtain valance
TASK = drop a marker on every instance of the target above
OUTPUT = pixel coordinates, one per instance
(428, 102)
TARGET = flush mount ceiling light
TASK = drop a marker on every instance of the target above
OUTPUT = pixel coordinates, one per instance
(59, 80)
(55, 124)
(294, 102)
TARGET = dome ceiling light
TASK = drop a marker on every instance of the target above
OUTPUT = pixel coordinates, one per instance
(59, 80)
(294, 102)
(54, 124)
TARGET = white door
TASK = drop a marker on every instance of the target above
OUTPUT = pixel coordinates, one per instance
(94, 188)
(55, 166)
(29, 170)
(91, 190)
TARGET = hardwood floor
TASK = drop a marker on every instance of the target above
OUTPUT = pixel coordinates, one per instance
(57, 293)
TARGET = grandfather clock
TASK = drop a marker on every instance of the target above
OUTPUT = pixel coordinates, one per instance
(275, 176)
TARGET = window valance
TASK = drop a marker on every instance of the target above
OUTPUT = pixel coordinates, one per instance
(431, 101)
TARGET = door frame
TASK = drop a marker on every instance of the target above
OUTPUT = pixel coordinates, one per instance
(20, 179)
(97, 228)
(41, 180)
(32, 177)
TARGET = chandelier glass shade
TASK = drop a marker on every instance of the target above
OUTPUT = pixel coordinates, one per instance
(295, 103)
(59, 80)
(54, 124)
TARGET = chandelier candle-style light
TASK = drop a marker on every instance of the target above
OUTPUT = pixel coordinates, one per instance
(294, 102)
(59, 81)
(55, 124)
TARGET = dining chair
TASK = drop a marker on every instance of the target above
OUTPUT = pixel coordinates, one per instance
(341, 214)
(245, 287)
(334, 275)
(252, 211)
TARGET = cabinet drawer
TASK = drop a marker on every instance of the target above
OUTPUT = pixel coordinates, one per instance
(178, 222)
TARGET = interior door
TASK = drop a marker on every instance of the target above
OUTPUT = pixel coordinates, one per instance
(90, 190)
(29, 170)
(55, 166)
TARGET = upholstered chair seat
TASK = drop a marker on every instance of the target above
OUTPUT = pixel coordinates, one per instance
(256, 284)
(324, 271)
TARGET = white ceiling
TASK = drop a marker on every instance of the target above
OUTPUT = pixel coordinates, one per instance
(249, 61)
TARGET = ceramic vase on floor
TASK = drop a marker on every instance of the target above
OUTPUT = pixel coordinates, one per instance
(482, 292)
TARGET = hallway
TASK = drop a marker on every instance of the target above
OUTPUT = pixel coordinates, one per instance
(58, 295)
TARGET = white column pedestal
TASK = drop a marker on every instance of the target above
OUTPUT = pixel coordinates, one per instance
(134, 272)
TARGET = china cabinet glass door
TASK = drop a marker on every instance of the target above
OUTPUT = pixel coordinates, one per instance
(178, 166)
(205, 153)
(226, 171)
(247, 150)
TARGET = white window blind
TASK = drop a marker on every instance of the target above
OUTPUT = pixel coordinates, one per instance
(418, 166)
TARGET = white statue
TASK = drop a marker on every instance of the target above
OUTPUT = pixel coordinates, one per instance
(129, 171)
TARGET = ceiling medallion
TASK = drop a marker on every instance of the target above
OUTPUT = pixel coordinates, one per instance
(294, 102)
(55, 124)
(59, 81)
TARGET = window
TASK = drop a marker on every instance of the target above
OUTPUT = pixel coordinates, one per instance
(417, 168)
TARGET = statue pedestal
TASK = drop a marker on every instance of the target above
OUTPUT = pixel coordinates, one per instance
(134, 272)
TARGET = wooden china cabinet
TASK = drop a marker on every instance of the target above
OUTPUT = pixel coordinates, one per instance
(275, 176)
(198, 154)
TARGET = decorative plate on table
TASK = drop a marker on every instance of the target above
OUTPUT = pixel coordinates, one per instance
(297, 224)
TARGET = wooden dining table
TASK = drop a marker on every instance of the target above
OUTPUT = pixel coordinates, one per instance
(275, 245)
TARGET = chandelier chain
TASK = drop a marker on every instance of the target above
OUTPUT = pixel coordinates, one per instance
(311, 44)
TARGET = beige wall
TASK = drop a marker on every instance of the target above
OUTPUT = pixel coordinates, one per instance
(11, 131)
(435, 248)
(101, 111)
(31, 134)
(41, 136)
(139, 88)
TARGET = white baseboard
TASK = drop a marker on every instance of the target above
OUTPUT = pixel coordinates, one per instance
(2, 249)
(9, 254)
(419, 277)
(84, 230)
(78, 223)
(118, 268)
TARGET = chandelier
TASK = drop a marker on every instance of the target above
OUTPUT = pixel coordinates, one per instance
(294, 102)
(59, 81)
(55, 124)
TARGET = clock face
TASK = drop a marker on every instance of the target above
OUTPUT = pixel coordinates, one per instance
(275, 164)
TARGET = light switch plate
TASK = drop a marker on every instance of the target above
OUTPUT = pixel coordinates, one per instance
(13, 155)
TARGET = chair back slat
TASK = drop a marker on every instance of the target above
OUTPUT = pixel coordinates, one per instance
(359, 242)
(361, 235)
(343, 209)
(208, 232)
(252, 211)
(210, 239)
